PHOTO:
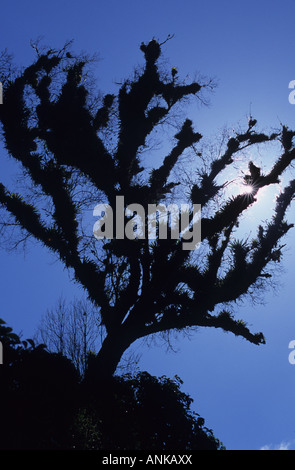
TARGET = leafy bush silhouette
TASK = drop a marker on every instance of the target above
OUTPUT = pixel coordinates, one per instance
(38, 391)
(145, 412)
(46, 405)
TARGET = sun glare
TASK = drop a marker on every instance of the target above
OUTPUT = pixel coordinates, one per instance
(247, 189)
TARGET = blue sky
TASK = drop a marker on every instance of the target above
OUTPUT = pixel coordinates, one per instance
(244, 392)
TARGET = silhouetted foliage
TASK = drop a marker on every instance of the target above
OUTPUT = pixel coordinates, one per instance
(77, 151)
(141, 412)
(45, 405)
(38, 393)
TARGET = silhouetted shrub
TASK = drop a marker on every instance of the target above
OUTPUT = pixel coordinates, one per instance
(46, 405)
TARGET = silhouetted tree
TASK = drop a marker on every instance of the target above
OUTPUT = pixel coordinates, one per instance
(72, 330)
(77, 153)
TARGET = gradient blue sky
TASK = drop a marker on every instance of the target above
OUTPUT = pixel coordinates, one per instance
(244, 392)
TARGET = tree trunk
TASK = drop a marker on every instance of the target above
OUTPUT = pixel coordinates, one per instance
(104, 364)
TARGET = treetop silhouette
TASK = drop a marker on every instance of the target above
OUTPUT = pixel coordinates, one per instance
(78, 149)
